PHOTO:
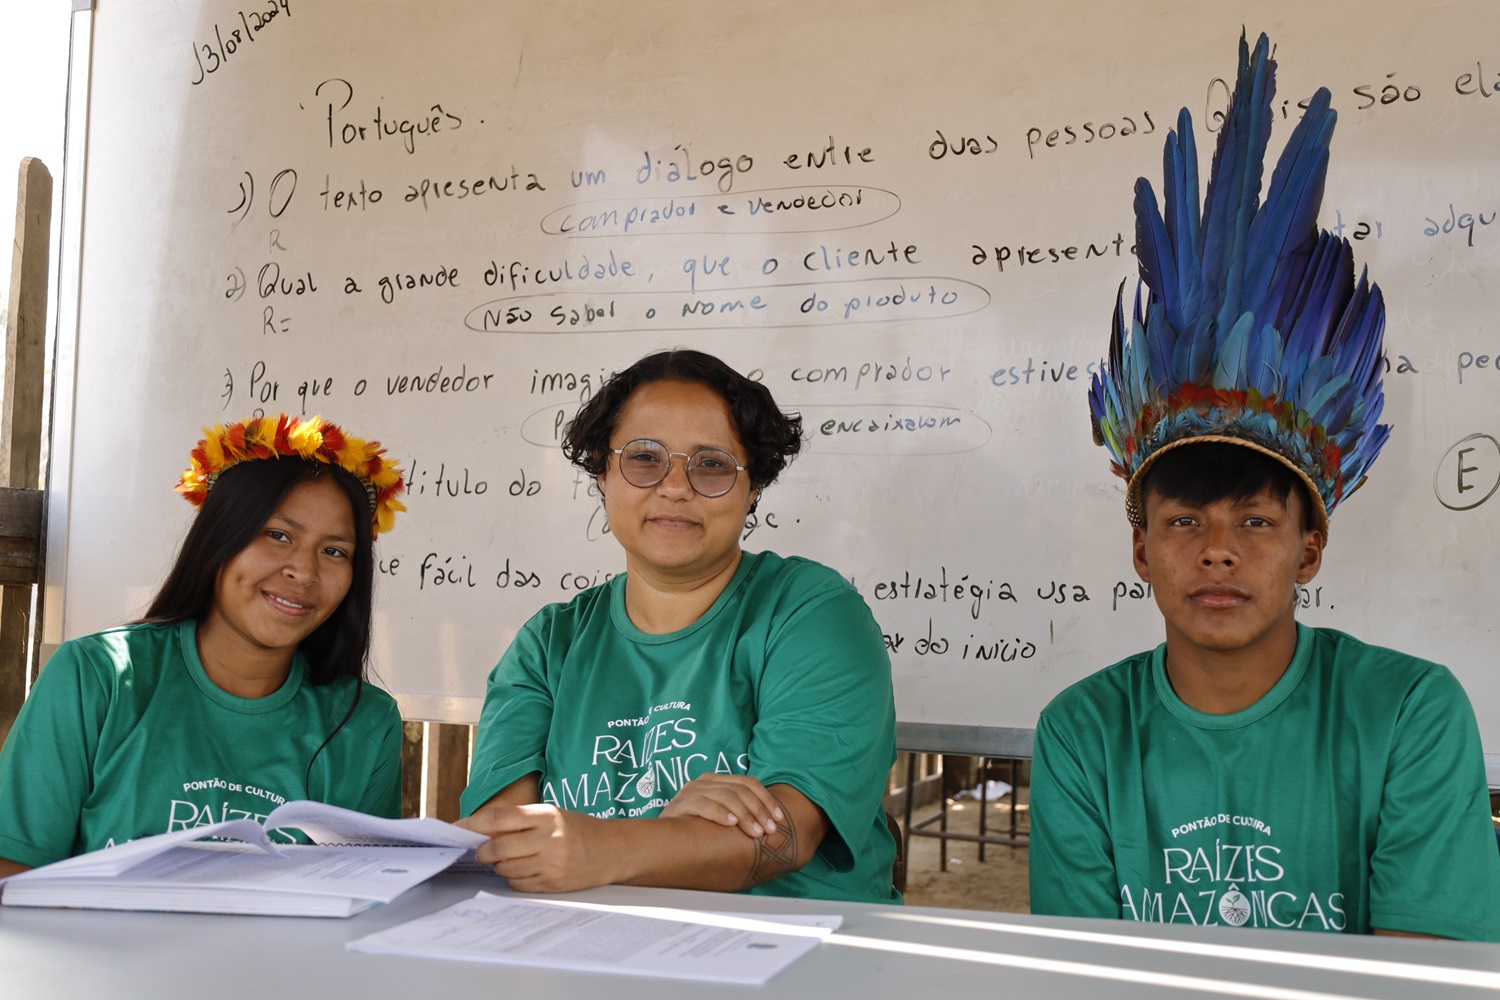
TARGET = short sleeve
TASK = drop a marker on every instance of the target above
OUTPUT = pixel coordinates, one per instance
(826, 720)
(1435, 868)
(382, 794)
(515, 721)
(47, 766)
(1072, 860)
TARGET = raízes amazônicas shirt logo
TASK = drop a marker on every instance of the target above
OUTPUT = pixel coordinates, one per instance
(1227, 869)
(635, 765)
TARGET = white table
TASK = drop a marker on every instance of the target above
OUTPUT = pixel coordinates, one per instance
(911, 953)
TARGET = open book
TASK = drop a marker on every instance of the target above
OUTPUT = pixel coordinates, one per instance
(355, 862)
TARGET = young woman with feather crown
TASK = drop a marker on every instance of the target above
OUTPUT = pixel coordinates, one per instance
(1252, 771)
(244, 684)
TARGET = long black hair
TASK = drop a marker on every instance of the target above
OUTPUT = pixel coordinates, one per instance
(771, 438)
(234, 513)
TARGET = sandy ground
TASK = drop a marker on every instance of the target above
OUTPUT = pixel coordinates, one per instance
(996, 883)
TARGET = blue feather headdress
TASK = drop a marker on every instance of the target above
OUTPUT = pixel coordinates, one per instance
(1253, 329)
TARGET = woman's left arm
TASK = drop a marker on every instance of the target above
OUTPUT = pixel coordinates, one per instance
(541, 848)
(826, 720)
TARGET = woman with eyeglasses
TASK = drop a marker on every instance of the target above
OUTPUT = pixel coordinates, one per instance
(712, 718)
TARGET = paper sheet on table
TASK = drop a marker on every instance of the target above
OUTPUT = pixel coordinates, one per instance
(819, 924)
(594, 937)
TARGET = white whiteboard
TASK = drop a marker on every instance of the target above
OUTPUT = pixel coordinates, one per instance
(940, 476)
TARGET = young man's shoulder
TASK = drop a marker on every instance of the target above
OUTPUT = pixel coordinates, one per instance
(1339, 659)
(1331, 646)
(1378, 683)
(1105, 693)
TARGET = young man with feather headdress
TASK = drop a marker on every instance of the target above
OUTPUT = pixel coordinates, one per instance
(1252, 771)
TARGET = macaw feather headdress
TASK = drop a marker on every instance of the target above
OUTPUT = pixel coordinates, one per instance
(312, 439)
(1253, 330)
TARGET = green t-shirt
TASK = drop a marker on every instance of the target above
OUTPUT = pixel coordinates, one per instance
(1351, 796)
(125, 736)
(785, 677)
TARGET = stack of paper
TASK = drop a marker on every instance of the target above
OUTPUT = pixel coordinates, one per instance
(354, 866)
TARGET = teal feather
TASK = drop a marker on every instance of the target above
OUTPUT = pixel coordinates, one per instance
(1318, 403)
(1319, 371)
(1263, 360)
(1231, 368)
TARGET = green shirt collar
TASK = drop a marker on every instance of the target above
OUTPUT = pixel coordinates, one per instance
(1267, 704)
(628, 630)
(187, 641)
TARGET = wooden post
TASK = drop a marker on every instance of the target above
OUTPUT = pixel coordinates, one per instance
(411, 770)
(448, 768)
(21, 421)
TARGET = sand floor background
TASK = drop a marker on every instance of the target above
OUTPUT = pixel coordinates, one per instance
(999, 882)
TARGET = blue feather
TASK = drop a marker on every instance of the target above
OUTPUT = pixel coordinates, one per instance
(1161, 344)
(1311, 315)
(1333, 405)
(1183, 223)
(1286, 224)
(1234, 184)
(1153, 246)
(1191, 358)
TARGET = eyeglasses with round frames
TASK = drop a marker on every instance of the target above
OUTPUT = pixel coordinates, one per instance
(711, 472)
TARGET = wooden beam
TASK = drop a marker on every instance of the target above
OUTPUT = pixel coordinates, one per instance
(20, 539)
(21, 512)
(25, 334)
(21, 426)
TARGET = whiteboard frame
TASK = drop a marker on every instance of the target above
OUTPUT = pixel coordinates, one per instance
(966, 740)
(59, 492)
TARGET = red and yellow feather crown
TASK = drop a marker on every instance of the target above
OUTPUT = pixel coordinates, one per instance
(313, 439)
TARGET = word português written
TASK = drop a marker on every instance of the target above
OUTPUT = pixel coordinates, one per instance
(335, 95)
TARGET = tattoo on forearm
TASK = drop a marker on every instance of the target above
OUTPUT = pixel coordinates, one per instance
(775, 854)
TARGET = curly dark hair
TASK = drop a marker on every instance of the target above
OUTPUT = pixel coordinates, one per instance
(771, 438)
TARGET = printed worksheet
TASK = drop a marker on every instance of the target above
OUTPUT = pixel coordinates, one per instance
(558, 934)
